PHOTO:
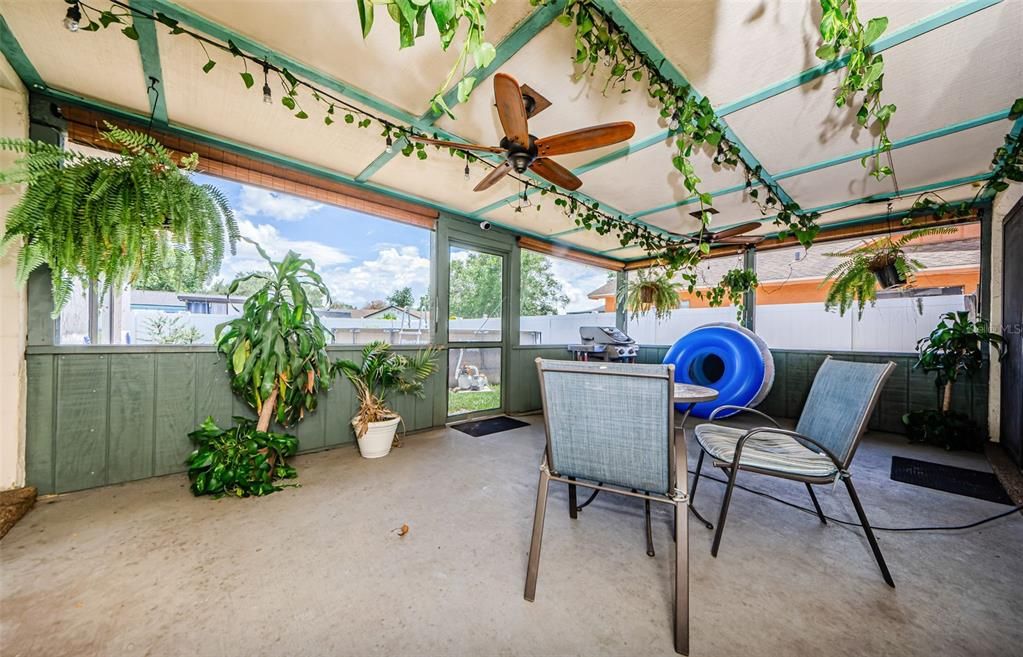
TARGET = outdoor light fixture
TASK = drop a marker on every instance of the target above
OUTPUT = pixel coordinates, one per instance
(267, 95)
(73, 17)
(467, 170)
(674, 125)
(390, 145)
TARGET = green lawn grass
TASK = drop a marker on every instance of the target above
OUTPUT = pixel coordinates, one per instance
(468, 402)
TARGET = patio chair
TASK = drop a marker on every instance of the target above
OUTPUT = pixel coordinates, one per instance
(611, 427)
(819, 451)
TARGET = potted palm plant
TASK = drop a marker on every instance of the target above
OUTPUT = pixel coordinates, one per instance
(382, 372)
(882, 262)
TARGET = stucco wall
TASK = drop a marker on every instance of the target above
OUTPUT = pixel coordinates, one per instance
(1003, 204)
(13, 123)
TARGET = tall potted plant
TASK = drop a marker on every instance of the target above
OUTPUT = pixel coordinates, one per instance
(382, 372)
(955, 348)
(112, 218)
(882, 262)
(277, 359)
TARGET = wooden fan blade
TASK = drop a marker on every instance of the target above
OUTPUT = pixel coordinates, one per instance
(458, 145)
(734, 231)
(742, 239)
(500, 171)
(511, 109)
(585, 138)
(555, 173)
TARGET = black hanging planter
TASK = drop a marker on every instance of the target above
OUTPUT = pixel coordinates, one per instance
(887, 274)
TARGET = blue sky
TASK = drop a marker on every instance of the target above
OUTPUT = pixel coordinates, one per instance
(361, 258)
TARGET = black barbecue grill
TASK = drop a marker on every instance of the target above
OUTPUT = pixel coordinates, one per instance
(605, 343)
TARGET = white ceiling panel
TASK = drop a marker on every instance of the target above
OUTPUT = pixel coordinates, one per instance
(729, 49)
(104, 64)
(327, 36)
(549, 219)
(441, 178)
(219, 104)
(732, 208)
(545, 64)
(955, 156)
(647, 179)
(962, 71)
(589, 239)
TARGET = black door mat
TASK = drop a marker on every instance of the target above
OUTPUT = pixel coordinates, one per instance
(961, 481)
(477, 428)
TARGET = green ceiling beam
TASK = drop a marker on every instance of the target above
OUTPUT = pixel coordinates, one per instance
(535, 23)
(667, 68)
(149, 51)
(897, 144)
(18, 59)
(936, 20)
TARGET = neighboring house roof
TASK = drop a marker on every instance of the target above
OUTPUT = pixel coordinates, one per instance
(369, 313)
(605, 290)
(156, 299)
(782, 265)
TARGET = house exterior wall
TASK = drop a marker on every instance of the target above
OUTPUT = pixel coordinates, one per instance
(13, 319)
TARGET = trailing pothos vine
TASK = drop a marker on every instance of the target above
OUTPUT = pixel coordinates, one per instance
(843, 35)
(599, 39)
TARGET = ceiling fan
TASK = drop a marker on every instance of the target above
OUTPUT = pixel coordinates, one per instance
(524, 151)
(734, 235)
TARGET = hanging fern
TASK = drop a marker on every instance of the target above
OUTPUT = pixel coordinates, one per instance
(854, 280)
(653, 291)
(111, 219)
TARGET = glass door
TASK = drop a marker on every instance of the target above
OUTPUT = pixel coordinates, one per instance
(476, 329)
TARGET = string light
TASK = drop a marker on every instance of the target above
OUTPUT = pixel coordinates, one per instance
(674, 125)
(73, 17)
(268, 97)
(390, 145)
(466, 170)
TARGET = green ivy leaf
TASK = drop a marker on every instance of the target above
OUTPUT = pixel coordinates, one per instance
(208, 66)
(827, 52)
(465, 86)
(288, 102)
(130, 32)
(875, 28)
(484, 55)
(247, 79)
(366, 16)
(1017, 109)
(301, 115)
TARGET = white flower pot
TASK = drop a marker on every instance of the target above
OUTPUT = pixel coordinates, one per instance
(378, 438)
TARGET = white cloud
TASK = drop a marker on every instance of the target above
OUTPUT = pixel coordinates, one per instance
(277, 246)
(393, 268)
(578, 280)
(273, 205)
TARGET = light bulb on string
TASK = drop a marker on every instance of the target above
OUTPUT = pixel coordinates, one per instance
(467, 170)
(73, 18)
(268, 97)
(390, 145)
(674, 125)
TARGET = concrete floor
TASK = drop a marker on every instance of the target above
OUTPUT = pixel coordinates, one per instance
(146, 569)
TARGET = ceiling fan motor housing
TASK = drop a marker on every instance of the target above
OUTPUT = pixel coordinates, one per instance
(520, 156)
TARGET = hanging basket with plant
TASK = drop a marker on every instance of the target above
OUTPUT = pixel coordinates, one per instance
(881, 263)
(656, 291)
(111, 219)
(382, 372)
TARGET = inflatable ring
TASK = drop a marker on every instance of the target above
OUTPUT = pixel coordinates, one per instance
(727, 357)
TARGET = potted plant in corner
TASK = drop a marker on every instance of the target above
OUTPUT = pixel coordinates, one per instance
(652, 291)
(382, 372)
(882, 262)
(954, 348)
(277, 361)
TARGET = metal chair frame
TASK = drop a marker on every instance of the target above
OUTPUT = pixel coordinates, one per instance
(675, 495)
(842, 467)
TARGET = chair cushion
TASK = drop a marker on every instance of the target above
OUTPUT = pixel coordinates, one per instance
(770, 451)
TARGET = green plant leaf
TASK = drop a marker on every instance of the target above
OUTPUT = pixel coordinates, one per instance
(465, 86)
(366, 16)
(827, 52)
(247, 79)
(208, 66)
(130, 32)
(875, 28)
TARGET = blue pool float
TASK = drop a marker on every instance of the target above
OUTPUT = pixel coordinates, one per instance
(728, 358)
